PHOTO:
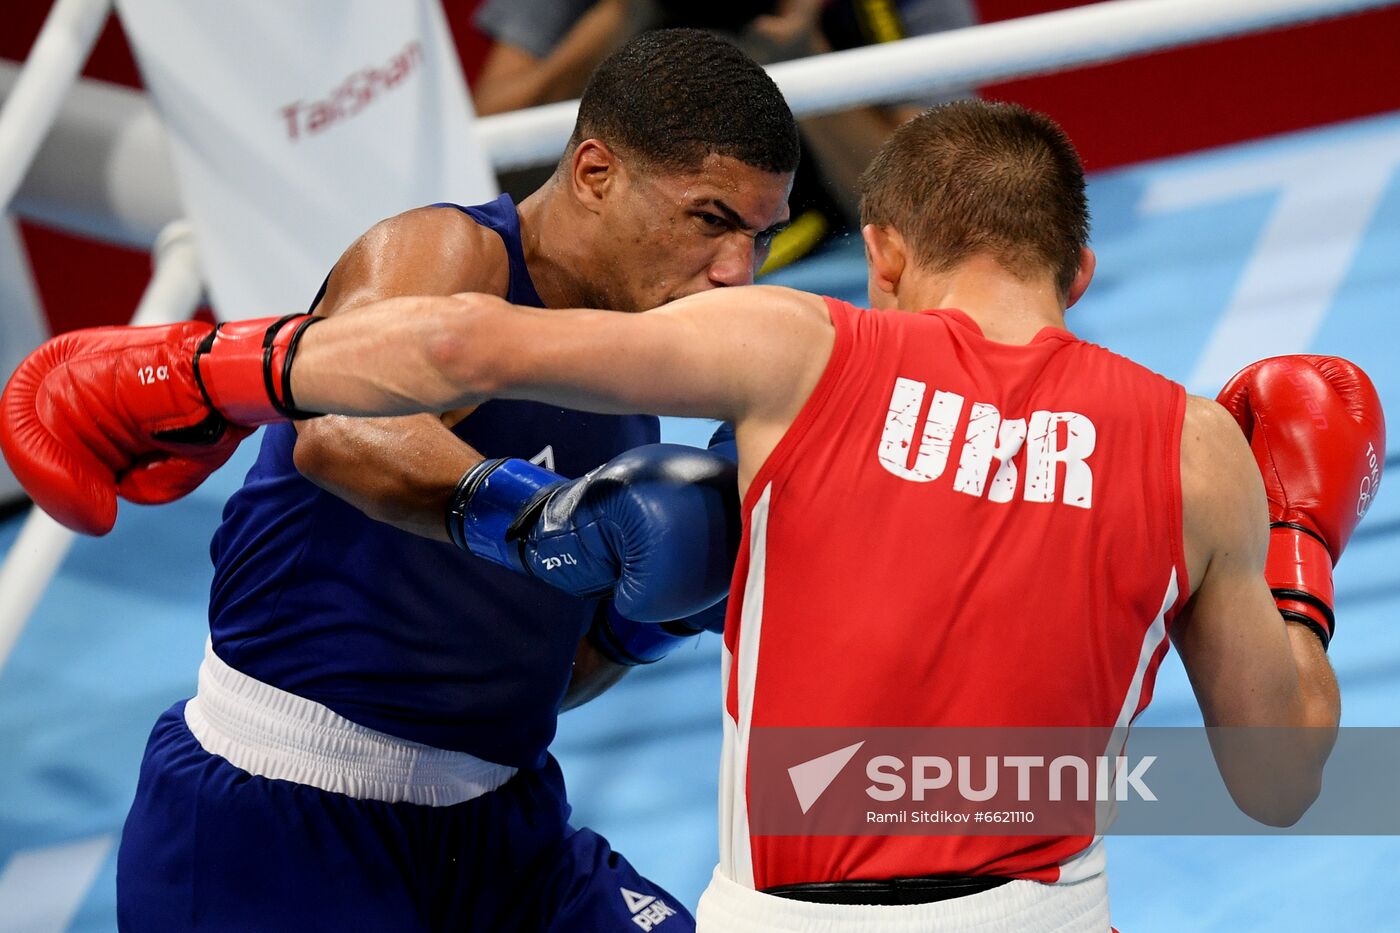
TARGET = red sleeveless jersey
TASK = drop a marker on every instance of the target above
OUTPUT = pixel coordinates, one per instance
(953, 532)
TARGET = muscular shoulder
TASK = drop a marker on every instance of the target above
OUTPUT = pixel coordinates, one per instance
(1223, 506)
(1207, 425)
(1212, 445)
(426, 251)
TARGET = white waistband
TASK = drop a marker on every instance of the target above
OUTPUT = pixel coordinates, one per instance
(279, 735)
(1014, 907)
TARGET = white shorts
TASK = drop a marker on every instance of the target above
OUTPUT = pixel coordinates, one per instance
(1014, 907)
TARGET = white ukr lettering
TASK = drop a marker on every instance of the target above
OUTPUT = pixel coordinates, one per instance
(1055, 443)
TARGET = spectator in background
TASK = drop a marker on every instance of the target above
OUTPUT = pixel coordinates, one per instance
(544, 51)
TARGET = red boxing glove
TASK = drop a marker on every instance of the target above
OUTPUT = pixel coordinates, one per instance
(145, 413)
(1317, 430)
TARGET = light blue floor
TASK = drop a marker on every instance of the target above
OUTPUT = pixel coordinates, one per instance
(1183, 246)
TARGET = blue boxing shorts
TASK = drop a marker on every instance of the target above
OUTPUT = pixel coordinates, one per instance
(331, 826)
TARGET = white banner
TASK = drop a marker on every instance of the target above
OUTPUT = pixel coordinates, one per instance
(296, 125)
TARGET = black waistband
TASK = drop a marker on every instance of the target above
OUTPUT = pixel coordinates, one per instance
(888, 891)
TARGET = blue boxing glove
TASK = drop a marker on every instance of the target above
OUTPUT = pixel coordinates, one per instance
(656, 528)
(630, 643)
(623, 641)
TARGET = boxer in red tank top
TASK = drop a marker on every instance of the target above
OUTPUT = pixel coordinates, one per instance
(953, 517)
(1053, 459)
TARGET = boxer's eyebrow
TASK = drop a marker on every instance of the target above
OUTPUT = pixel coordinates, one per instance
(735, 218)
(731, 215)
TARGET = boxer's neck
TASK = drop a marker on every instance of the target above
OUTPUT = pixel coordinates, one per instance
(1007, 308)
(555, 251)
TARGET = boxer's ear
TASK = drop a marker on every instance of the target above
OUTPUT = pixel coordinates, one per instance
(886, 257)
(1087, 263)
(593, 170)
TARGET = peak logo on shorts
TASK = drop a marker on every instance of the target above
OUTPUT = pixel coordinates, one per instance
(1052, 439)
(648, 911)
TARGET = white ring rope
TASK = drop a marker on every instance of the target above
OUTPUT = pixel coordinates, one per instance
(916, 67)
(104, 170)
(68, 35)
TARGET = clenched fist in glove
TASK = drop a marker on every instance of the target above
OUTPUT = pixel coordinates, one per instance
(1317, 431)
(145, 413)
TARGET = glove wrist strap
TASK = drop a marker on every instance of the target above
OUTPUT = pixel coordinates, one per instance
(1299, 572)
(488, 502)
(244, 368)
(1305, 614)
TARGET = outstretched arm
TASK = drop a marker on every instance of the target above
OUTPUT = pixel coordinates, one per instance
(147, 413)
(728, 353)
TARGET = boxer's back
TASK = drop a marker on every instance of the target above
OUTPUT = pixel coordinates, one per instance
(932, 536)
(399, 633)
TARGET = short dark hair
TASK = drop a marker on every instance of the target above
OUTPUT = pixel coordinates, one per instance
(674, 96)
(975, 177)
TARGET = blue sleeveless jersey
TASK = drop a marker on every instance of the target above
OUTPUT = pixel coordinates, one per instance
(398, 633)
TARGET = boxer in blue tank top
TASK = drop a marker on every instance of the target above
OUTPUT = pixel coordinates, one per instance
(369, 746)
